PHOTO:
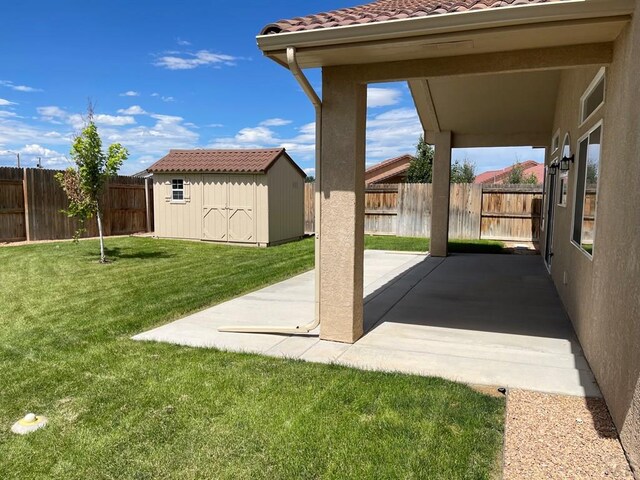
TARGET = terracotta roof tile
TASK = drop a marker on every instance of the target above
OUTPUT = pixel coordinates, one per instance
(385, 10)
(498, 176)
(231, 161)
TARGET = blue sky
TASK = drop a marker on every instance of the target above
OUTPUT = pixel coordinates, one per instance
(174, 75)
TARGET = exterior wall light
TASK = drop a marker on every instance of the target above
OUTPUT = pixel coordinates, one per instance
(552, 168)
(566, 162)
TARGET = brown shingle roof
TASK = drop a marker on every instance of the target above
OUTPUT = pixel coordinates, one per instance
(385, 10)
(230, 161)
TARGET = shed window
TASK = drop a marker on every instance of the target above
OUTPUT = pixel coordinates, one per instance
(593, 97)
(177, 189)
(588, 171)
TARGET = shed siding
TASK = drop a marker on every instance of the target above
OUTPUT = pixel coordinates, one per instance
(173, 219)
(286, 201)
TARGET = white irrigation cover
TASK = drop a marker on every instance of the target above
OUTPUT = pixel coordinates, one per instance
(30, 423)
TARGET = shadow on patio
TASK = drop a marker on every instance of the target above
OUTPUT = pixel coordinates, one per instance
(485, 319)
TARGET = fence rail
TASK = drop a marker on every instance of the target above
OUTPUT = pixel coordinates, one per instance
(499, 212)
(31, 201)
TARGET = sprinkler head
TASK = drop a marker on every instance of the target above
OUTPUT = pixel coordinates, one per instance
(29, 423)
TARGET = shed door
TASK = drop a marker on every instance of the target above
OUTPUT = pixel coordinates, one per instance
(228, 211)
(214, 207)
(241, 208)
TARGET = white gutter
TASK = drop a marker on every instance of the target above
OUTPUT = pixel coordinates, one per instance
(447, 23)
(299, 75)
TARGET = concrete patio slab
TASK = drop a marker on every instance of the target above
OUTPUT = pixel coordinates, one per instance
(481, 319)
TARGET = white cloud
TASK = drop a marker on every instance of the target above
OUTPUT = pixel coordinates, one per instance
(188, 60)
(4, 102)
(301, 147)
(30, 153)
(392, 133)
(130, 93)
(132, 110)
(275, 122)
(382, 97)
(255, 135)
(57, 115)
(52, 113)
(113, 120)
(146, 143)
(163, 98)
(215, 125)
(310, 171)
(183, 43)
(19, 88)
(6, 113)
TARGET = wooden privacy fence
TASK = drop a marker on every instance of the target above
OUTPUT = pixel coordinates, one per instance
(503, 212)
(31, 201)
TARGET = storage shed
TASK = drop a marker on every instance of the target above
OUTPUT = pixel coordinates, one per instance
(232, 196)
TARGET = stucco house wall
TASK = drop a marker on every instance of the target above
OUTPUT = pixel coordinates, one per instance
(603, 304)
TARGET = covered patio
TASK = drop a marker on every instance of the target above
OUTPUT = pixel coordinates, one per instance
(485, 78)
(480, 319)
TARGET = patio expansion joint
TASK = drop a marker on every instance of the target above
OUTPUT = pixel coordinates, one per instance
(418, 352)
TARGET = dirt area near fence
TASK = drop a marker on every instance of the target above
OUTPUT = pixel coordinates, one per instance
(34, 242)
(561, 437)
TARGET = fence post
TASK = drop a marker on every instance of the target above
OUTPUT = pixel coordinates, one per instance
(25, 194)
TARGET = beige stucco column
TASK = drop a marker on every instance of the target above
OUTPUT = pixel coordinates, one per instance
(342, 202)
(440, 192)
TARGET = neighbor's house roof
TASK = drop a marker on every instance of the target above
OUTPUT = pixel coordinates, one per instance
(499, 176)
(387, 169)
(386, 10)
(221, 161)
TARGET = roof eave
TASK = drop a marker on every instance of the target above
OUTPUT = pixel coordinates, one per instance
(445, 23)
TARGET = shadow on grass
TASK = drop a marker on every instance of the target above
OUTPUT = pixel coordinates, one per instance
(116, 253)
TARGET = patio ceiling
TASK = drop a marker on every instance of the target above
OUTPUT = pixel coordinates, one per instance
(489, 110)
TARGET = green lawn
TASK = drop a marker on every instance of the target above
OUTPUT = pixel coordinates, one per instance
(121, 409)
(408, 244)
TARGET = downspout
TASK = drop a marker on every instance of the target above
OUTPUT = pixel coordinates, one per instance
(300, 77)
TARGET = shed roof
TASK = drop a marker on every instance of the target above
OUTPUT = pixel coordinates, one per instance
(257, 160)
(385, 10)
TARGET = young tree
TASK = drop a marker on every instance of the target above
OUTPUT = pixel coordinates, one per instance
(517, 176)
(464, 172)
(421, 167)
(310, 179)
(84, 184)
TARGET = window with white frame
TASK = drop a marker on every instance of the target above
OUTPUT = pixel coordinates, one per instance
(586, 189)
(177, 190)
(593, 97)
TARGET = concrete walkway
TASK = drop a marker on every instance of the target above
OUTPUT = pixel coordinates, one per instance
(481, 319)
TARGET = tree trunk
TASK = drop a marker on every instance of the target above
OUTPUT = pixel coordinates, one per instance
(103, 259)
